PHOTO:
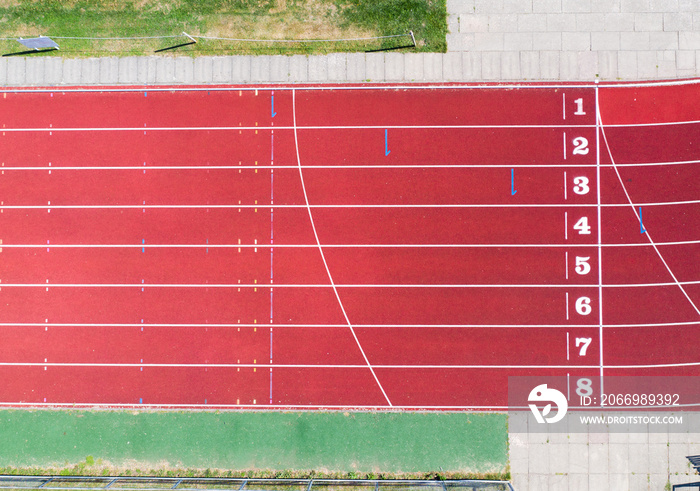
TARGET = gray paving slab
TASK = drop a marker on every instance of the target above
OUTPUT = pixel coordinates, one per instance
(356, 68)
(575, 41)
(558, 482)
(627, 65)
(538, 460)
(546, 41)
(374, 67)
(3, 71)
(394, 66)
(510, 66)
(514, 42)
(491, 65)
(184, 69)
(147, 69)
(127, 70)
(108, 70)
(279, 68)
(298, 68)
(472, 22)
(685, 60)
(241, 69)
(221, 69)
(489, 41)
(165, 70)
(53, 71)
(318, 69)
(605, 41)
(34, 71)
(502, 23)
(452, 66)
(90, 71)
(607, 65)
(414, 66)
(549, 66)
(639, 481)
(432, 66)
(203, 69)
(578, 482)
(618, 22)
(538, 482)
(337, 67)
(16, 70)
(460, 6)
(530, 65)
(647, 64)
(260, 68)
(546, 6)
(72, 69)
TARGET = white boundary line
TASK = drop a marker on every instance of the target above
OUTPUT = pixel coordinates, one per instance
(421, 167)
(332, 206)
(374, 326)
(283, 407)
(338, 366)
(600, 250)
(634, 210)
(335, 246)
(85, 129)
(320, 250)
(346, 86)
(339, 285)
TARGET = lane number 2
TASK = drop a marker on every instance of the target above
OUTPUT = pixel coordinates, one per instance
(580, 146)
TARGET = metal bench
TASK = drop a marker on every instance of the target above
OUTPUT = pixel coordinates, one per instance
(695, 463)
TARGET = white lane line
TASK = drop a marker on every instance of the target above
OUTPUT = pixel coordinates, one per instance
(337, 366)
(341, 246)
(600, 248)
(324, 326)
(347, 166)
(334, 206)
(341, 285)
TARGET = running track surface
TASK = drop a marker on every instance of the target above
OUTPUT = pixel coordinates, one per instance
(344, 246)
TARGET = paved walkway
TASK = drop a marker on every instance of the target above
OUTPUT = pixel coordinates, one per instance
(488, 40)
(647, 461)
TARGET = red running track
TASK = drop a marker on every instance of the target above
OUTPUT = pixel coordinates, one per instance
(344, 246)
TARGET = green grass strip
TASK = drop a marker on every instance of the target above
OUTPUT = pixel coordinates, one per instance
(240, 19)
(261, 444)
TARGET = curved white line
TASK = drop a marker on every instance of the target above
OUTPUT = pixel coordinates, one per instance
(634, 210)
(320, 250)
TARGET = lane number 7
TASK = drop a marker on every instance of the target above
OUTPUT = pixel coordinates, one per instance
(583, 343)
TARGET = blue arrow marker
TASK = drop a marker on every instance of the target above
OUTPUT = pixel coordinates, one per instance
(272, 105)
(641, 225)
(386, 143)
(512, 182)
